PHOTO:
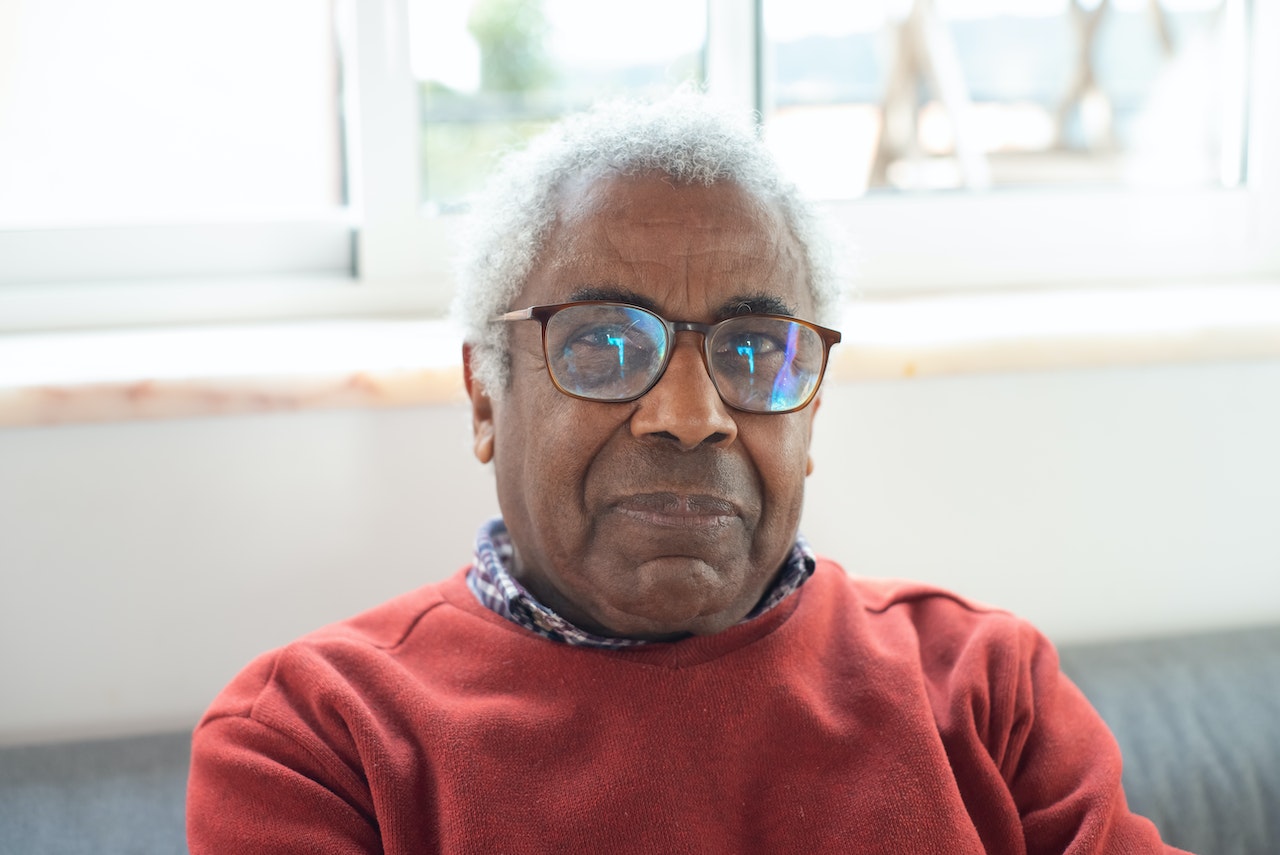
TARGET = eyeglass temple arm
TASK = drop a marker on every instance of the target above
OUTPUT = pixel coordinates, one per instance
(517, 315)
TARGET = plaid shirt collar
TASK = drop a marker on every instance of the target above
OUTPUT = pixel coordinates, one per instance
(497, 590)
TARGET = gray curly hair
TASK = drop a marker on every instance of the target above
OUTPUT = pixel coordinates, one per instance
(686, 136)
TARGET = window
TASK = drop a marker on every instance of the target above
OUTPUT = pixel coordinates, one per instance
(1215, 221)
(493, 73)
(976, 94)
(382, 115)
(145, 138)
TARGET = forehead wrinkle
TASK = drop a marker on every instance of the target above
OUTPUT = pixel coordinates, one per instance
(688, 264)
(651, 284)
(603, 243)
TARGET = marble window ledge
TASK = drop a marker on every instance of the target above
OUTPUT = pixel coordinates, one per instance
(119, 375)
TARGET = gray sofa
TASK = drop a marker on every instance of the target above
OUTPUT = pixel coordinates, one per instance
(1198, 719)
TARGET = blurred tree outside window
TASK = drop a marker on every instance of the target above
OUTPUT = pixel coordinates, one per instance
(493, 73)
(512, 38)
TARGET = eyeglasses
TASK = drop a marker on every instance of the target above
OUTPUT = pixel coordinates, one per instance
(615, 352)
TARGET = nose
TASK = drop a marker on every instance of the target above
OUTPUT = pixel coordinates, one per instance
(684, 405)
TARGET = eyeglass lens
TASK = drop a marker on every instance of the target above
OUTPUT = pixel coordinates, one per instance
(609, 352)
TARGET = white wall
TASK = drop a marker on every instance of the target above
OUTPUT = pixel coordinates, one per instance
(1099, 504)
(144, 563)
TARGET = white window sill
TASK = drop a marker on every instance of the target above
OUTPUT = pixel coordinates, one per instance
(97, 376)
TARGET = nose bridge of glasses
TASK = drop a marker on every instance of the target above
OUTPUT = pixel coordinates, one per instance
(702, 331)
(674, 349)
(684, 400)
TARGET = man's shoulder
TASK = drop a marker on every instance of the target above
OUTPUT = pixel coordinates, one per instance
(879, 594)
(938, 628)
(387, 625)
(337, 651)
(926, 606)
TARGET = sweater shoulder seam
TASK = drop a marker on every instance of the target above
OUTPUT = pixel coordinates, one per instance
(910, 597)
(413, 625)
(248, 710)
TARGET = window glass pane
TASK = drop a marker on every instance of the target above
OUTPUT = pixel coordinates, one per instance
(494, 72)
(943, 94)
(155, 110)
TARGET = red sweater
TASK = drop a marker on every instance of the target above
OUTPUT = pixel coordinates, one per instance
(857, 716)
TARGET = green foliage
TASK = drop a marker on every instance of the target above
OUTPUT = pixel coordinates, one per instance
(512, 38)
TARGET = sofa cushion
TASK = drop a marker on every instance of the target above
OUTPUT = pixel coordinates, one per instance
(1198, 722)
(118, 796)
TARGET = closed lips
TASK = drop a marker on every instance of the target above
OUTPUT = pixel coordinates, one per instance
(677, 509)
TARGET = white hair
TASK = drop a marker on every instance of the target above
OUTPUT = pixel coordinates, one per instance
(686, 136)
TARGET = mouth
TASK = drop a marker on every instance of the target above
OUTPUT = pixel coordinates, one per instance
(675, 510)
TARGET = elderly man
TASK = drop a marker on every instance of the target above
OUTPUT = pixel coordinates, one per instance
(645, 656)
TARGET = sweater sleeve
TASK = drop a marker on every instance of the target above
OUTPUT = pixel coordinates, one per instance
(1036, 765)
(252, 790)
(1063, 766)
(259, 787)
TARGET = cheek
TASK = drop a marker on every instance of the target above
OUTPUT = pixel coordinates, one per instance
(550, 440)
(782, 456)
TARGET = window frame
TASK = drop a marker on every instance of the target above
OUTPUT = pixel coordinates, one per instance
(385, 256)
(1055, 237)
(1066, 237)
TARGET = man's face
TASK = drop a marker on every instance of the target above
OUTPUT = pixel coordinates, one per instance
(670, 514)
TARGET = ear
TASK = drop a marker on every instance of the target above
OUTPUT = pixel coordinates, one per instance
(481, 409)
(813, 414)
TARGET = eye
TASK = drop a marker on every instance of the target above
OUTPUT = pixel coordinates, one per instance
(605, 351)
(750, 352)
(753, 341)
(610, 359)
(609, 343)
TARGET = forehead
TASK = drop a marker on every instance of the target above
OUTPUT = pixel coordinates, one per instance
(690, 251)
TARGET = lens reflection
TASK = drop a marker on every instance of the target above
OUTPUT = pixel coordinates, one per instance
(615, 352)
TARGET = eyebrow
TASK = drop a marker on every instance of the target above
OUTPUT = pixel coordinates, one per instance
(614, 295)
(741, 304)
(756, 304)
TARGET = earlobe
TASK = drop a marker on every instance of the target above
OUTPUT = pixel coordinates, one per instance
(484, 444)
(481, 410)
(808, 466)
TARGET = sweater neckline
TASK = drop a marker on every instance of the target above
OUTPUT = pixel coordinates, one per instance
(685, 653)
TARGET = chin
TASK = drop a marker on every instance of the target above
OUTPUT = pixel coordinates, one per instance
(667, 627)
